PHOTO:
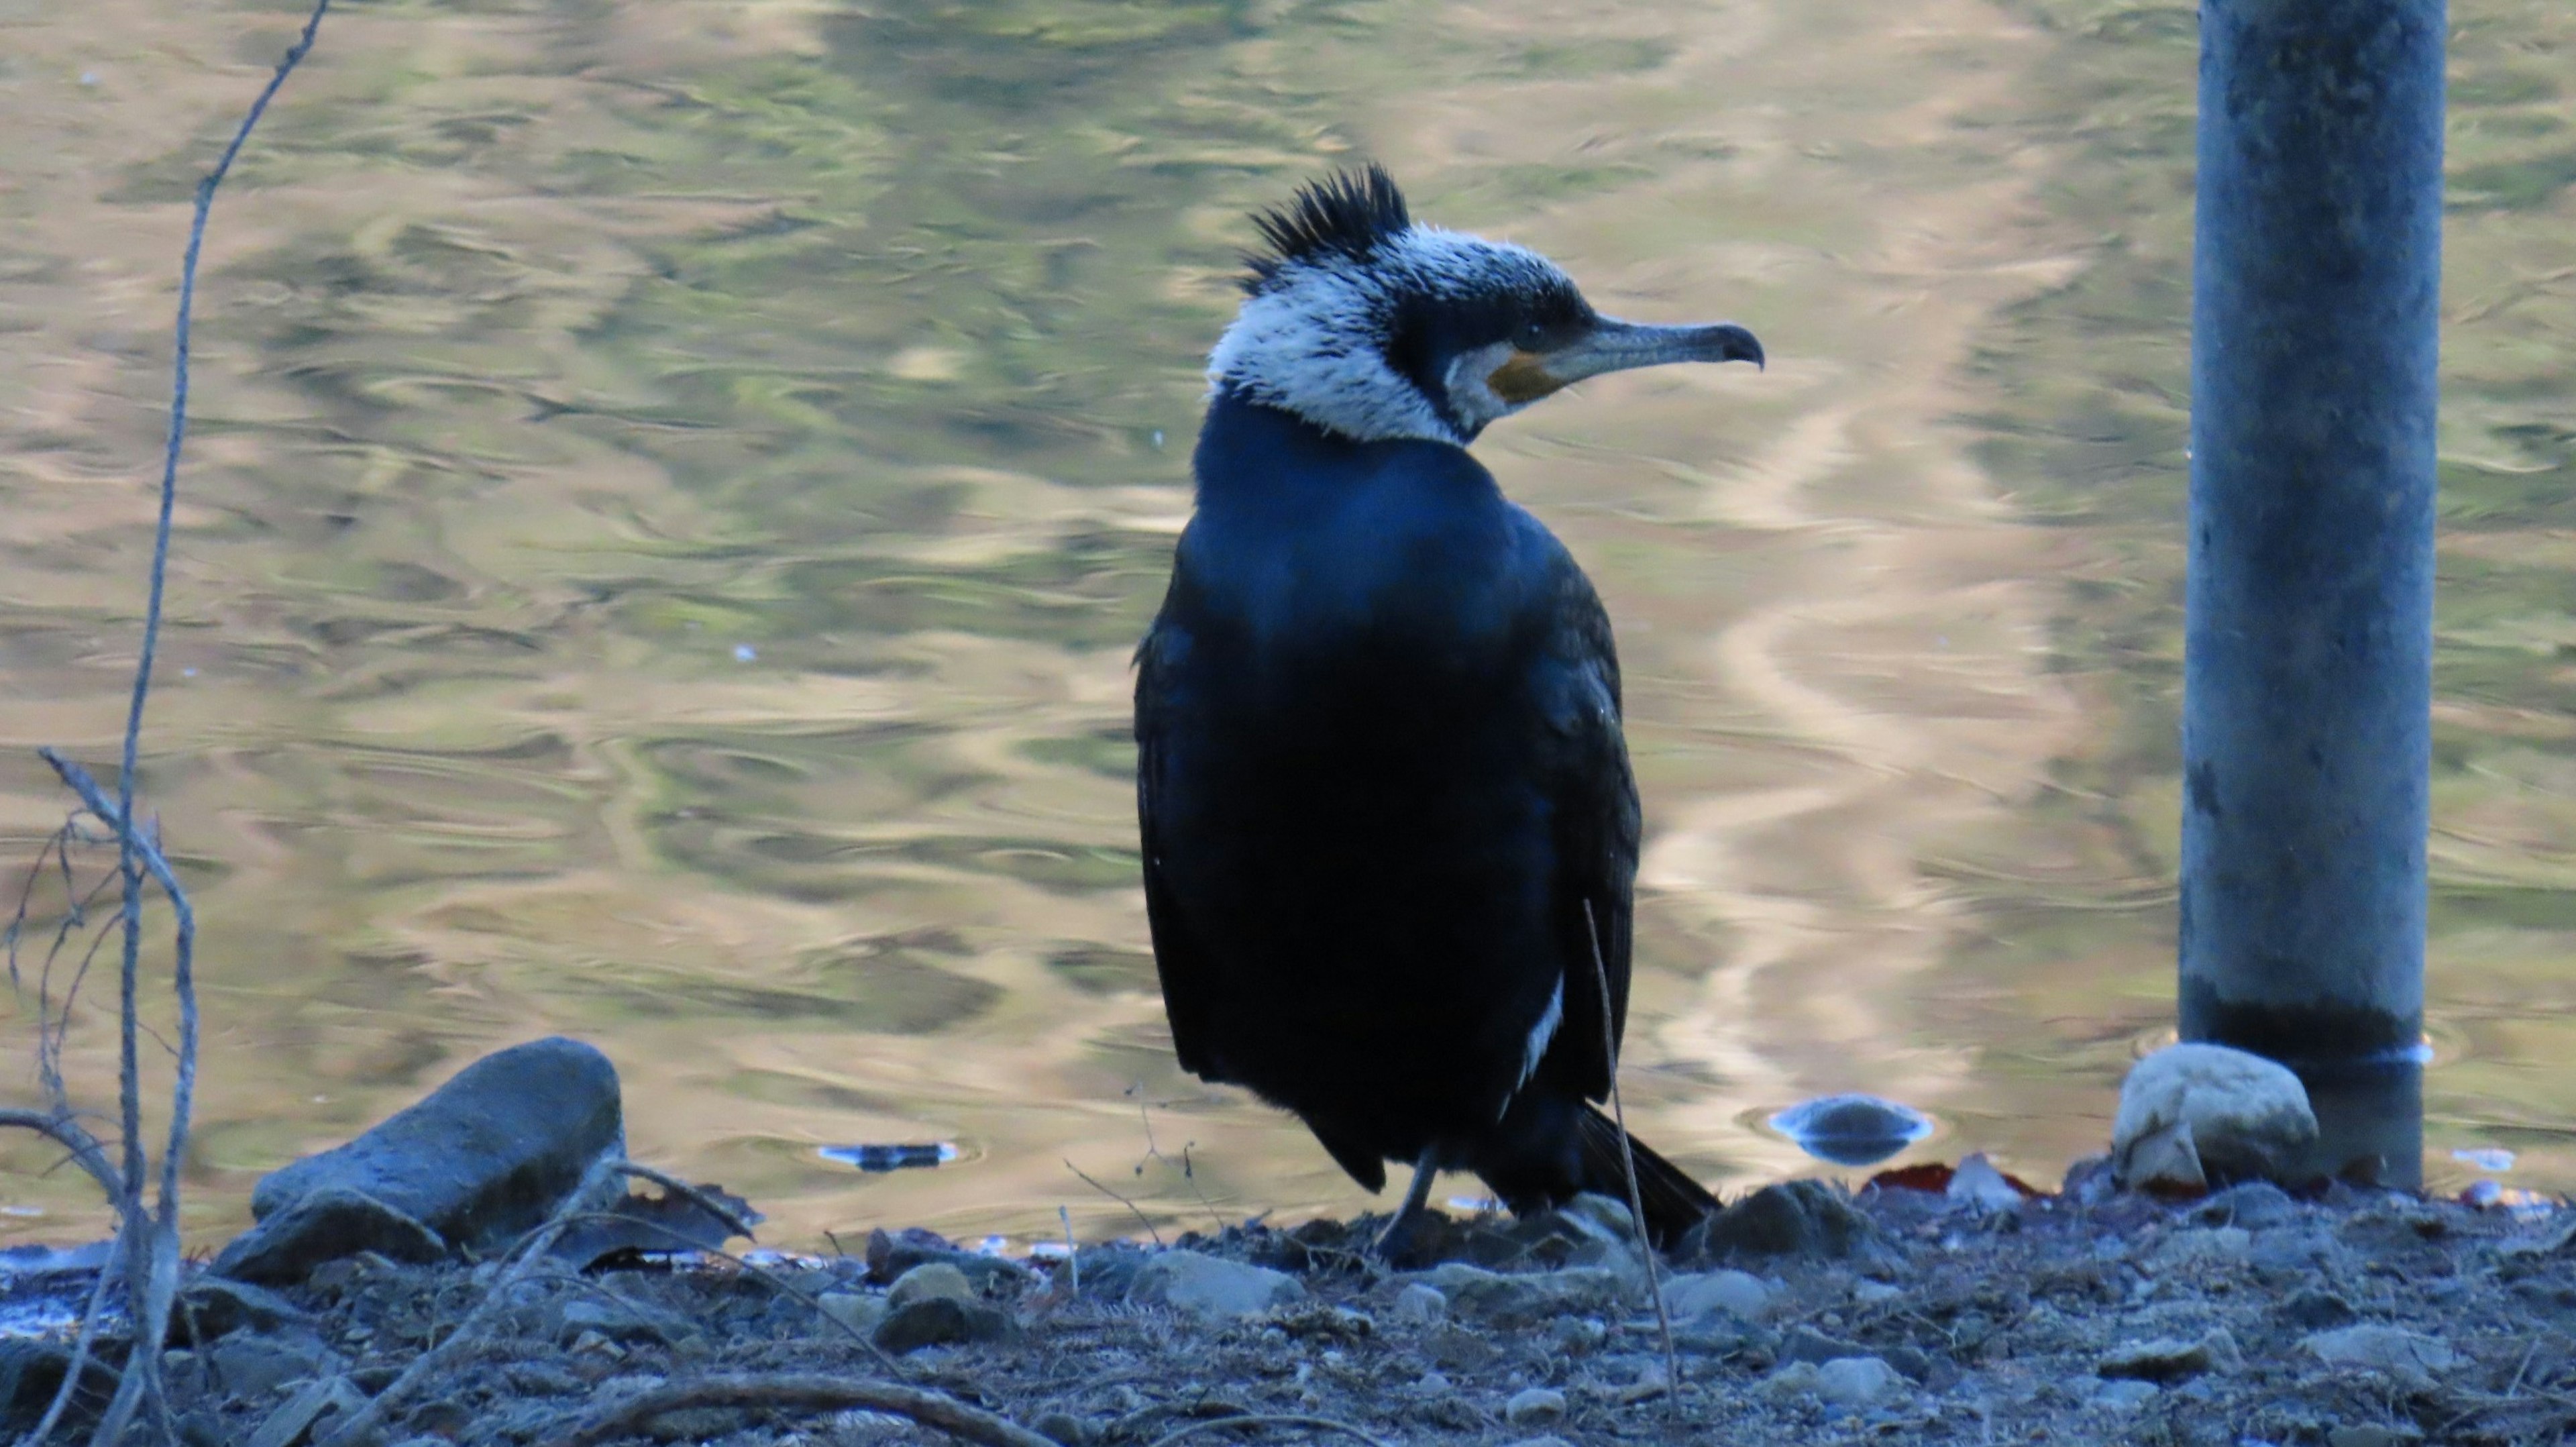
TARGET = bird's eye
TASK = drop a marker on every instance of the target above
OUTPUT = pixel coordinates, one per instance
(1532, 335)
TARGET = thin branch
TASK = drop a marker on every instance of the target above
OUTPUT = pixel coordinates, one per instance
(811, 1392)
(72, 1136)
(1141, 1218)
(1628, 1160)
(1267, 1419)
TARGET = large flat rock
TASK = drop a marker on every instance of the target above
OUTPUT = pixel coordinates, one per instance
(482, 1160)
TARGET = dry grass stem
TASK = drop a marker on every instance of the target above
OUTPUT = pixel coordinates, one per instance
(807, 1391)
(1628, 1159)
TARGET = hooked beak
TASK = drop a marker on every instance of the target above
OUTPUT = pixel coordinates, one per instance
(1616, 346)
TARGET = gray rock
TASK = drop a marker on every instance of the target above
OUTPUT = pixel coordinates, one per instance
(2126, 1394)
(1577, 1336)
(1535, 1407)
(928, 1280)
(2317, 1310)
(1732, 1293)
(858, 1310)
(2410, 1357)
(324, 1226)
(211, 1307)
(485, 1157)
(2253, 1205)
(1422, 1304)
(942, 1321)
(1808, 1345)
(1794, 1218)
(1855, 1381)
(2170, 1359)
(2205, 1245)
(254, 1366)
(1064, 1427)
(1210, 1286)
(619, 1322)
(1519, 1299)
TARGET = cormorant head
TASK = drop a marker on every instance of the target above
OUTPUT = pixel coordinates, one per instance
(1368, 325)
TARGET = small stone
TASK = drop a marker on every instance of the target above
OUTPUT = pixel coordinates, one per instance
(2193, 1114)
(1507, 1300)
(2375, 1434)
(2318, 1309)
(1534, 1407)
(1794, 1218)
(2253, 1205)
(2169, 1359)
(1977, 1184)
(211, 1307)
(1062, 1426)
(931, 1279)
(2125, 1394)
(1601, 1216)
(595, 1344)
(2222, 1245)
(2410, 1357)
(940, 1321)
(1576, 1336)
(1422, 1304)
(1432, 1384)
(254, 1366)
(1855, 1381)
(860, 1311)
(1209, 1286)
(1734, 1293)
(1796, 1379)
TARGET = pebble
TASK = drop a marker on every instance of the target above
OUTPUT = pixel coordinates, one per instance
(2411, 1357)
(1062, 1426)
(1422, 1304)
(1521, 1299)
(1210, 1287)
(858, 1310)
(931, 1279)
(2125, 1394)
(254, 1366)
(2170, 1359)
(1734, 1293)
(940, 1321)
(1977, 1184)
(1855, 1381)
(2252, 1204)
(1534, 1407)
(1576, 1336)
(1793, 1218)
(2211, 1244)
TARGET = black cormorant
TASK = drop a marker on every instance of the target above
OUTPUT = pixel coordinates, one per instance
(1389, 825)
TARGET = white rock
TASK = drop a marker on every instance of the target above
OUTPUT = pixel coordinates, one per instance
(1977, 1183)
(2214, 1244)
(1209, 1286)
(1856, 1381)
(2190, 1112)
(1732, 1293)
(1422, 1304)
(1534, 1407)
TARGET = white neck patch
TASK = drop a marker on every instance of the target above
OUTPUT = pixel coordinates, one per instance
(1313, 340)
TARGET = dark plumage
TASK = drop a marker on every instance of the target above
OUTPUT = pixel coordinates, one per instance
(1381, 777)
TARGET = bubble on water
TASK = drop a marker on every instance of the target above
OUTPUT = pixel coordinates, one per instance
(2485, 1158)
(1852, 1130)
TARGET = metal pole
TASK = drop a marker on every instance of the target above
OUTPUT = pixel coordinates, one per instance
(2307, 670)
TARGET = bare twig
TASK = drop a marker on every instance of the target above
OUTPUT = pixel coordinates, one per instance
(811, 1392)
(63, 1131)
(1141, 1218)
(1072, 1252)
(1267, 1419)
(1628, 1160)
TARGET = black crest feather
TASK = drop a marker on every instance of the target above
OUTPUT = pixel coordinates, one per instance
(1349, 213)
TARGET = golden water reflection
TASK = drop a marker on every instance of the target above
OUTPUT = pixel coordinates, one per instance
(674, 487)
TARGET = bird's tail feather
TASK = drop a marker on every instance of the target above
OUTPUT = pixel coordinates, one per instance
(1674, 1202)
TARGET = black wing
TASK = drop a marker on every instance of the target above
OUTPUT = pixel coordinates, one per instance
(1178, 960)
(1597, 825)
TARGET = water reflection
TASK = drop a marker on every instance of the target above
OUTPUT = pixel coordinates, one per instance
(674, 489)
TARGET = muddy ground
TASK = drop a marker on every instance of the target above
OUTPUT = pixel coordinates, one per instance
(2357, 1318)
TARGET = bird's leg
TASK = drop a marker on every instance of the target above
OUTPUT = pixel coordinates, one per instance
(1399, 1231)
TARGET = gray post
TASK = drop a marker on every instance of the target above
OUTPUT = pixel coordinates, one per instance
(2307, 669)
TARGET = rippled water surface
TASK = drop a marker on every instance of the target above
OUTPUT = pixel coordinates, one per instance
(675, 485)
